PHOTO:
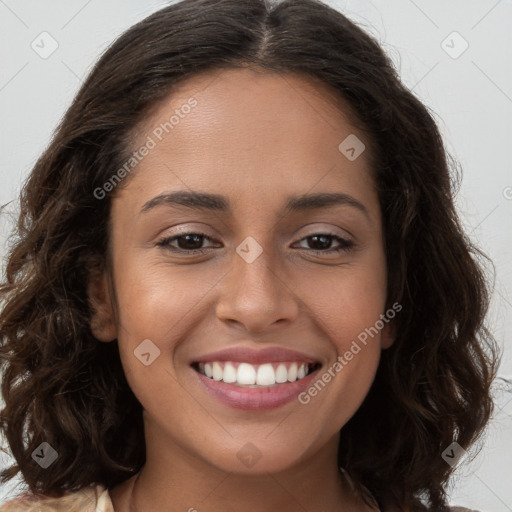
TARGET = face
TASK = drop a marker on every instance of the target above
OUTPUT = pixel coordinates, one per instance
(236, 285)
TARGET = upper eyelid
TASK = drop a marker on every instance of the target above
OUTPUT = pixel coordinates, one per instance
(331, 230)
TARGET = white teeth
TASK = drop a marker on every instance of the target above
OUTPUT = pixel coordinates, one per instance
(281, 374)
(229, 373)
(217, 371)
(245, 374)
(292, 373)
(266, 375)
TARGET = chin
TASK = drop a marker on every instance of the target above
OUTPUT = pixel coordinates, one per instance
(255, 457)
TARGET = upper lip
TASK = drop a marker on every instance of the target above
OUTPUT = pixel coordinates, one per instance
(256, 356)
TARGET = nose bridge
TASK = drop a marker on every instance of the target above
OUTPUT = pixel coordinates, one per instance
(254, 292)
(256, 269)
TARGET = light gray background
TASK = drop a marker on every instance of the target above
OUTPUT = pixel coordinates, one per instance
(471, 96)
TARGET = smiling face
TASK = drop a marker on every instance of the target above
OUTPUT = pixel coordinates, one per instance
(293, 259)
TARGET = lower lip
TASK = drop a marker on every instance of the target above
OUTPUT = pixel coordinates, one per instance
(255, 399)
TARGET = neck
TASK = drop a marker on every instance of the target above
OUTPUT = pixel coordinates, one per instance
(168, 482)
(230, 493)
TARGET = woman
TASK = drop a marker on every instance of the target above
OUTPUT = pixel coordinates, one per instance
(240, 281)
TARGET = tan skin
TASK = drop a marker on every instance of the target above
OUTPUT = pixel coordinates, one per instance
(255, 138)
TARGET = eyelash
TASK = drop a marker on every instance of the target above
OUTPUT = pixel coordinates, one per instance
(345, 245)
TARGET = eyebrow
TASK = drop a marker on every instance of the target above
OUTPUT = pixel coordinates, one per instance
(216, 202)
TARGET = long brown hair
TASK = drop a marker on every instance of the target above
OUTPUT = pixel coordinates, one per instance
(62, 386)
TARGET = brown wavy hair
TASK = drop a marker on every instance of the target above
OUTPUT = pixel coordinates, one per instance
(62, 386)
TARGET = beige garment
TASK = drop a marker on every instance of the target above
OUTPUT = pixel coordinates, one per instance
(90, 499)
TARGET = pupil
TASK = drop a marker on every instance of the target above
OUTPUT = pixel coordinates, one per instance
(324, 239)
(188, 237)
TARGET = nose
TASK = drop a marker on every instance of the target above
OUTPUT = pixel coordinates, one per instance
(255, 296)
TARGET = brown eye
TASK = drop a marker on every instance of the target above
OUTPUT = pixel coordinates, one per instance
(321, 243)
(187, 242)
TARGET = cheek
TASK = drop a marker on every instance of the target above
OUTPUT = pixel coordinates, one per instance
(347, 320)
(163, 305)
(344, 301)
(345, 306)
(155, 298)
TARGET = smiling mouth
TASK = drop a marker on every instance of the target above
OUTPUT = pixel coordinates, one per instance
(255, 375)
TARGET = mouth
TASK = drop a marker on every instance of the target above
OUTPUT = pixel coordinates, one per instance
(249, 375)
(255, 387)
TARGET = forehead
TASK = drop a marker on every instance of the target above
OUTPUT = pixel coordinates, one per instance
(247, 132)
(241, 103)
